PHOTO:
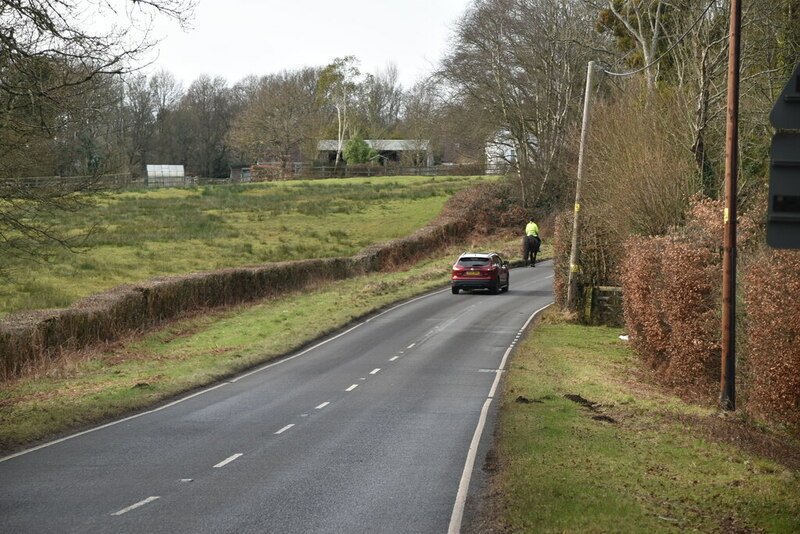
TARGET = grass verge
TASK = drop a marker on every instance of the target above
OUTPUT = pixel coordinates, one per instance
(584, 445)
(87, 387)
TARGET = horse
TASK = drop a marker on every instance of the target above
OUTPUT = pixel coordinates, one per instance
(530, 248)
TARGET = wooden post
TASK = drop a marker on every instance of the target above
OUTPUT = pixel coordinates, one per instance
(728, 376)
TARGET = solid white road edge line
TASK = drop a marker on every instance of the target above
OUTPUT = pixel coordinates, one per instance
(228, 460)
(463, 487)
(112, 423)
(135, 506)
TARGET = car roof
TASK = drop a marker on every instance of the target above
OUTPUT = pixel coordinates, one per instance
(479, 254)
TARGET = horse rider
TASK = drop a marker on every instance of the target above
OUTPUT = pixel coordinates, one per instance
(532, 242)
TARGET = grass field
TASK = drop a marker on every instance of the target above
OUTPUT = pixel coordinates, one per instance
(143, 234)
(587, 445)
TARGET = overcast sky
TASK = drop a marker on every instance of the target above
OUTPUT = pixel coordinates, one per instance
(235, 38)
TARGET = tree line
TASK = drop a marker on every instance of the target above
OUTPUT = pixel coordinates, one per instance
(658, 131)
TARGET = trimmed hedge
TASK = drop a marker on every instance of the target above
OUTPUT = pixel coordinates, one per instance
(673, 304)
(30, 337)
(772, 299)
(673, 294)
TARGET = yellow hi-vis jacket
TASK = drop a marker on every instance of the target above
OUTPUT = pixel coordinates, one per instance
(532, 229)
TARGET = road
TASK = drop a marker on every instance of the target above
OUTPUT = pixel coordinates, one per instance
(374, 429)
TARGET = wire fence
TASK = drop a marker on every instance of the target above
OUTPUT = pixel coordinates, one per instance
(124, 181)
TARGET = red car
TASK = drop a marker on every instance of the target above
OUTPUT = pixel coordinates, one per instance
(477, 270)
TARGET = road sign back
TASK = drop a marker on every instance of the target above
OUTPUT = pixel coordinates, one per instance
(785, 113)
(783, 214)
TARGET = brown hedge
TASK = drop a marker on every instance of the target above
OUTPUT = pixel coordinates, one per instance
(772, 299)
(648, 331)
(672, 292)
(33, 336)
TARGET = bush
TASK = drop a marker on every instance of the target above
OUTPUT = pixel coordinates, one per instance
(642, 287)
(772, 294)
(357, 151)
(672, 287)
(599, 255)
(488, 207)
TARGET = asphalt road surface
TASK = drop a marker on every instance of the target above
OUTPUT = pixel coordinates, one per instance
(383, 427)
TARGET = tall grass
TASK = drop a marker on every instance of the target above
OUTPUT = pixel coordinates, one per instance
(137, 235)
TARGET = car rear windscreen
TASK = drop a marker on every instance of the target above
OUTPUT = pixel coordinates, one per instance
(473, 262)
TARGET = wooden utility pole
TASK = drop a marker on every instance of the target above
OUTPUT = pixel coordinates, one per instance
(728, 377)
(572, 288)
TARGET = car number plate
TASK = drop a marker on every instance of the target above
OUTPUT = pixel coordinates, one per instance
(473, 273)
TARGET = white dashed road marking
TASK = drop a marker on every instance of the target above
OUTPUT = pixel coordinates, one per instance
(135, 506)
(284, 429)
(351, 388)
(228, 460)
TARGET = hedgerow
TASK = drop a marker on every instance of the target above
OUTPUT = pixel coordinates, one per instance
(772, 300)
(673, 302)
(648, 330)
(672, 287)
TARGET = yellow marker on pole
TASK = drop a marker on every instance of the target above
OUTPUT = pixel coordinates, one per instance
(577, 208)
(726, 216)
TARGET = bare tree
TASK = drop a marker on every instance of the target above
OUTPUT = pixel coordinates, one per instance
(380, 103)
(520, 64)
(52, 71)
(141, 120)
(640, 27)
(338, 87)
(204, 116)
(281, 118)
(166, 94)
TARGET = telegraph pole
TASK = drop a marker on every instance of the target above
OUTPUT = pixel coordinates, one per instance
(572, 288)
(728, 377)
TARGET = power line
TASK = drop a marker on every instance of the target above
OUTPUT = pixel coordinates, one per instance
(668, 50)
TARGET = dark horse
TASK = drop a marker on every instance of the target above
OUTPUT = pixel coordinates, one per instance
(530, 247)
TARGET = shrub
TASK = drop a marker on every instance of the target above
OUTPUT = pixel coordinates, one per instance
(486, 208)
(690, 299)
(643, 290)
(599, 255)
(358, 151)
(672, 287)
(772, 294)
